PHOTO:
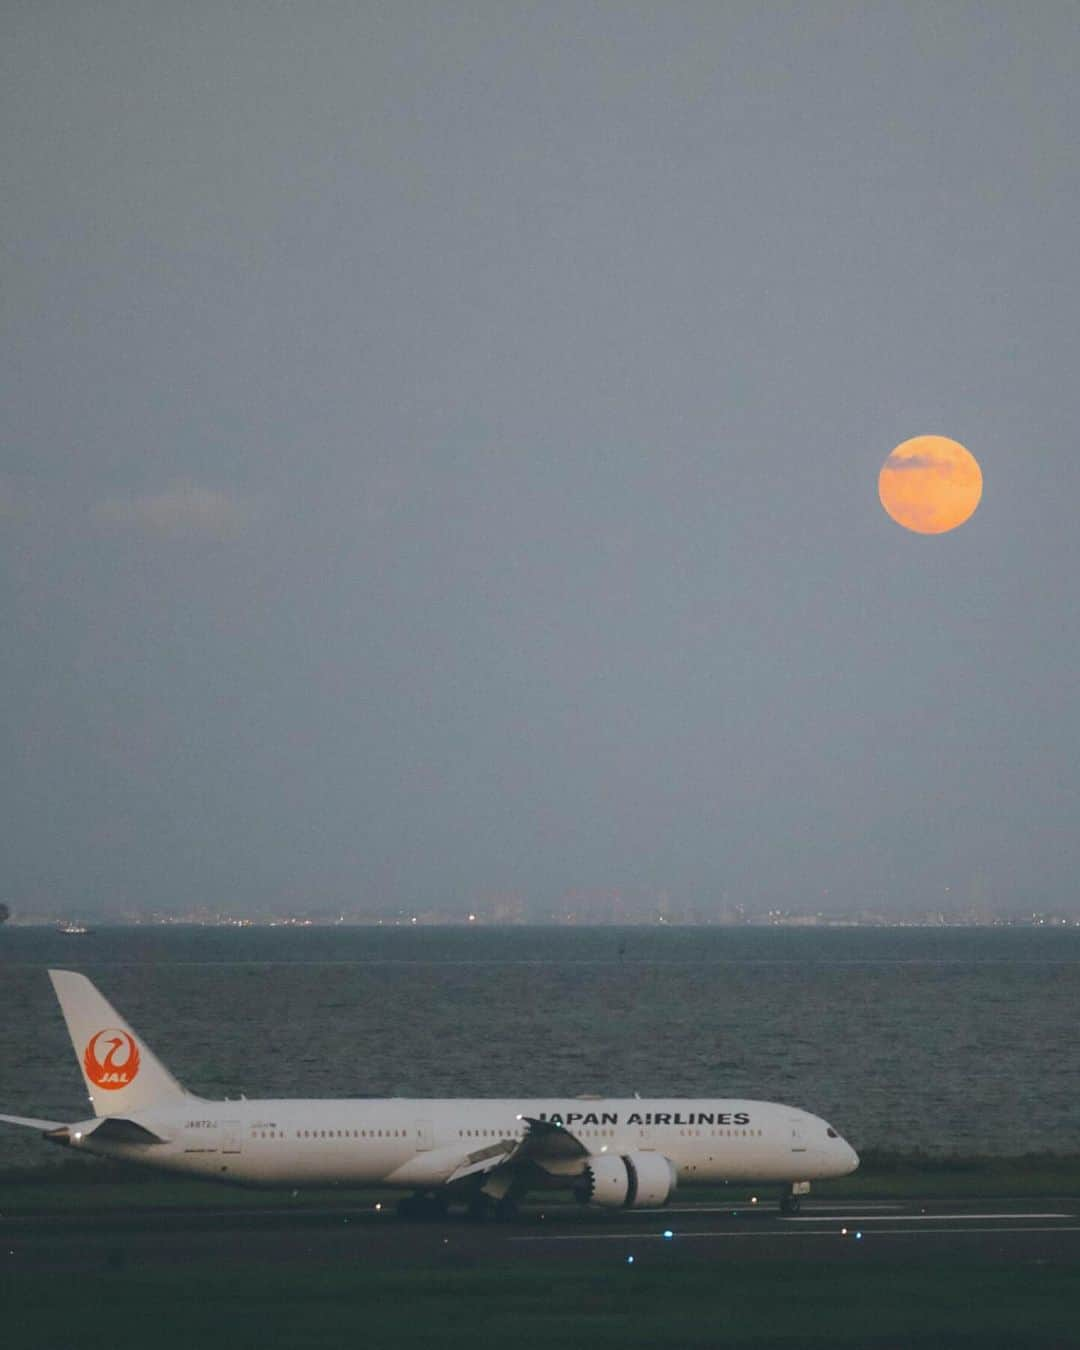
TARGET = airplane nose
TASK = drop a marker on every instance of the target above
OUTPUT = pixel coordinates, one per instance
(852, 1158)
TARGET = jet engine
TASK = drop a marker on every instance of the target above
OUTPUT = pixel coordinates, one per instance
(630, 1181)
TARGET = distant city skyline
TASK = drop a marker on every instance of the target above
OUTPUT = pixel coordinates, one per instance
(567, 913)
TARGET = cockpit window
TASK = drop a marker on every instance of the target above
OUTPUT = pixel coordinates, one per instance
(831, 1132)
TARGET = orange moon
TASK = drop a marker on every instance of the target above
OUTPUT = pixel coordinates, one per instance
(930, 484)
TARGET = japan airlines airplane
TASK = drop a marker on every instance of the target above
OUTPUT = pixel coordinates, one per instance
(614, 1152)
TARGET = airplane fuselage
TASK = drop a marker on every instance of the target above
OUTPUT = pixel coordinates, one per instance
(418, 1143)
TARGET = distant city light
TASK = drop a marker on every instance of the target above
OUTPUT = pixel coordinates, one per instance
(593, 912)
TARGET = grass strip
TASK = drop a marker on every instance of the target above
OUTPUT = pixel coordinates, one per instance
(654, 1301)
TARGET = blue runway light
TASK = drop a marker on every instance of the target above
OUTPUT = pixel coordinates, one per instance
(629, 1260)
(858, 1237)
(668, 1233)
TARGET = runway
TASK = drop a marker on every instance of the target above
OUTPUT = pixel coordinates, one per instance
(943, 1231)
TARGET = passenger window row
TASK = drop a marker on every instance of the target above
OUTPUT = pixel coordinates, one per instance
(490, 1134)
(477, 1134)
(334, 1134)
(720, 1134)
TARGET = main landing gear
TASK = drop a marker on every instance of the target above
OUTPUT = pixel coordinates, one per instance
(429, 1207)
(482, 1206)
(420, 1206)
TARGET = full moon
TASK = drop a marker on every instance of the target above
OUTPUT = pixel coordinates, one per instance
(930, 484)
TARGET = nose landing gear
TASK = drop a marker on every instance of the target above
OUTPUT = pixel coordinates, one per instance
(791, 1197)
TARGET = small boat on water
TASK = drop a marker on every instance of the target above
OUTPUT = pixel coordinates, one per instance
(73, 929)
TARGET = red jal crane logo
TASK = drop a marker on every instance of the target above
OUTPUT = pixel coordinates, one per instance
(111, 1060)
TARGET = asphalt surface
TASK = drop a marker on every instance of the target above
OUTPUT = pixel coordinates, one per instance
(944, 1231)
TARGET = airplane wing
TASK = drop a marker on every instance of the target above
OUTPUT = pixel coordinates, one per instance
(27, 1122)
(548, 1141)
(544, 1141)
(483, 1160)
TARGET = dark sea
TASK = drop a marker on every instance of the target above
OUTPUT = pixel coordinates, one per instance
(952, 1041)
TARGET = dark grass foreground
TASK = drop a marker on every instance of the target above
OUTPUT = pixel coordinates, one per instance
(116, 1303)
(736, 1304)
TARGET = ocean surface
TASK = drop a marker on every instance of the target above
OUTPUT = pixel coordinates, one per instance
(953, 1041)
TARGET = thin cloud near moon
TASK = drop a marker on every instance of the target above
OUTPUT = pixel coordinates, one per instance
(182, 508)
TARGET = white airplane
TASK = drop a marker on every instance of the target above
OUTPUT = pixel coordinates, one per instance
(614, 1152)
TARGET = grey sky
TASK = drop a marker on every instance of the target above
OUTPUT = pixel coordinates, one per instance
(440, 447)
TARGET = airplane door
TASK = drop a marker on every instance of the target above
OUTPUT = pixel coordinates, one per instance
(232, 1136)
(423, 1135)
(798, 1143)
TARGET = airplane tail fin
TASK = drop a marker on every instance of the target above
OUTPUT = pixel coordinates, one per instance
(120, 1071)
